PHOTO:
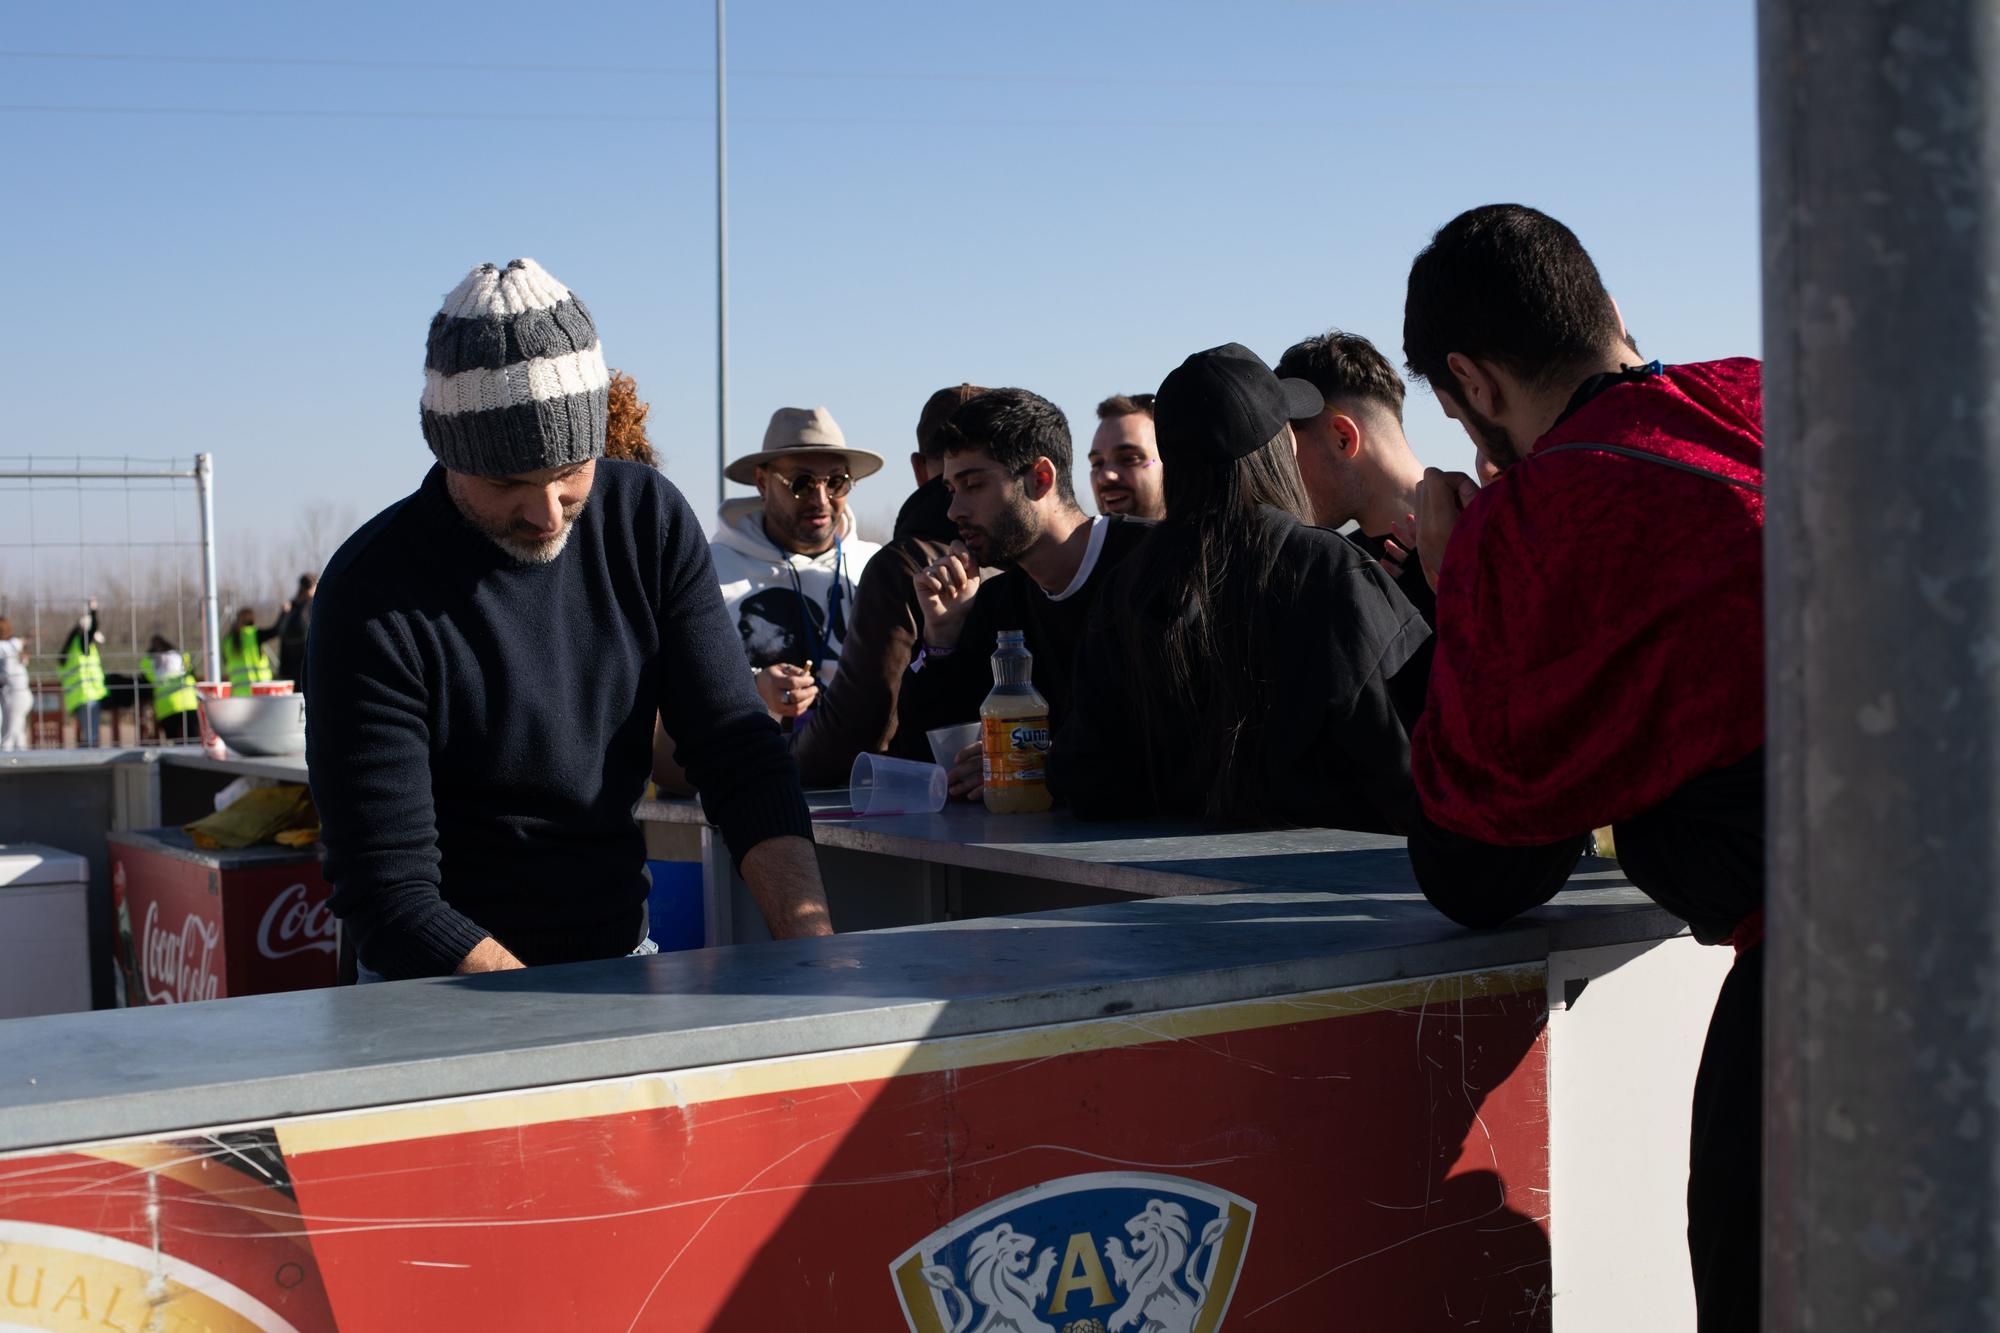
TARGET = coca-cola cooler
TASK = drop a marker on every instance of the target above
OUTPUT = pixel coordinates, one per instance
(199, 925)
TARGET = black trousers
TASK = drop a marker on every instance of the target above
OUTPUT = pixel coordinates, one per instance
(1700, 855)
(1725, 1156)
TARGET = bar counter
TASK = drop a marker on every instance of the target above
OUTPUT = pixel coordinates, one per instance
(1263, 1048)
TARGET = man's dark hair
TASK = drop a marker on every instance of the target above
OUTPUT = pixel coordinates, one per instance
(1125, 405)
(936, 411)
(1347, 371)
(1015, 427)
(1507, 284)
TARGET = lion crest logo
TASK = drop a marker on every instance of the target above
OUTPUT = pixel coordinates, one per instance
(1114, 1252)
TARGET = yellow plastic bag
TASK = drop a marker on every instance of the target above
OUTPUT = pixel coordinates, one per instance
(258, 816)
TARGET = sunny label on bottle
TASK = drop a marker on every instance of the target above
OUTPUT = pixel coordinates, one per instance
(1014, 733)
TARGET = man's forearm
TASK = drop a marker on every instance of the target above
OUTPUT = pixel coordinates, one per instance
(489, 955)
(1481, 884)
(783, 875)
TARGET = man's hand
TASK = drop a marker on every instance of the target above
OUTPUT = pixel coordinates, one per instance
(787, 690)
(967, 775)
(783, 875)
(1399, 545)
(489, 955)
(1441, 498)
(945, 589)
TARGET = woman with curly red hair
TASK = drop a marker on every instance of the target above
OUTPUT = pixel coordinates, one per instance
(625, 423)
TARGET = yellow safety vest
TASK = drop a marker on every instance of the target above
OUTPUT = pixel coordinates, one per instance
(82, 675)
(172, 695)
(244, 660)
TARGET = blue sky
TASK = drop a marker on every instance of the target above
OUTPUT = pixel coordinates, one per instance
(1067, 196)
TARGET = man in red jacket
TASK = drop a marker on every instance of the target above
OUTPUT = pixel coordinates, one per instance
(1599, 648)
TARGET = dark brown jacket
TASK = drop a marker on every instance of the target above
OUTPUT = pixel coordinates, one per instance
(857, 711)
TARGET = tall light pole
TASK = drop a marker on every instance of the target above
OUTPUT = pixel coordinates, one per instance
(721, 265)
(1881, 131)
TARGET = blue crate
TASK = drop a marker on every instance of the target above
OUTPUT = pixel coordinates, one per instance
(674, 905)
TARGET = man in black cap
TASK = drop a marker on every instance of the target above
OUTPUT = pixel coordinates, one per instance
(1258, 669)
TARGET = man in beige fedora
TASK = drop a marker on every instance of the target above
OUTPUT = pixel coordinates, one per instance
(788, 558)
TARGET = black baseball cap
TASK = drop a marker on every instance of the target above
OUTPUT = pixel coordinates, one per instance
(1225, 403)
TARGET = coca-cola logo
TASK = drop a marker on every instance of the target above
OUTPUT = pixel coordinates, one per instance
(176, 967)
(294, 925)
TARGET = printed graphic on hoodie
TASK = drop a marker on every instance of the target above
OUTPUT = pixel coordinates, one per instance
(780, 625)
(788, 607)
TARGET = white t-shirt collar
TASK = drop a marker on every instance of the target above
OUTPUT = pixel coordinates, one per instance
(1095, 547)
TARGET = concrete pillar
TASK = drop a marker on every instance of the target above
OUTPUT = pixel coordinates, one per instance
(1881, 256)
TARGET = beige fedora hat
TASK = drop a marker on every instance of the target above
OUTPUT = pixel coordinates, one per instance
(802, 430)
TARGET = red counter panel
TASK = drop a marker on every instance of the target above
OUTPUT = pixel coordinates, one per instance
(1366, 1159)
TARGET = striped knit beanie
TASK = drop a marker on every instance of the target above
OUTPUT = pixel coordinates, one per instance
(514, 379)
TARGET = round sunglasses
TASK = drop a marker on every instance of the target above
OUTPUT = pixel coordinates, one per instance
(804, 483)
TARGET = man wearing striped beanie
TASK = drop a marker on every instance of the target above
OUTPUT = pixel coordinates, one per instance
(488, 656)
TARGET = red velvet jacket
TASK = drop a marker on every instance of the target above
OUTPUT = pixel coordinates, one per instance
(1600, 634)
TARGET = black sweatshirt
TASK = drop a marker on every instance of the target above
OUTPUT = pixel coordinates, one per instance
(1411, 583)
(1699, 854)
(1341, 659)
(948, 690)
(480, 730)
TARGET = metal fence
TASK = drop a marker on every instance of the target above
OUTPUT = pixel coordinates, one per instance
(134, 535)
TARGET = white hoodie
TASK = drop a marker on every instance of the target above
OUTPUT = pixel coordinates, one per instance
(784, 605)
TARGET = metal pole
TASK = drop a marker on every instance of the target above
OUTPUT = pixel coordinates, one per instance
(211, 615)
(1881, 153)
(73, 474)
(721, 267)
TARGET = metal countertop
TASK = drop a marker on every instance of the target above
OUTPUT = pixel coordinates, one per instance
(76, 1077)
(1149, 858)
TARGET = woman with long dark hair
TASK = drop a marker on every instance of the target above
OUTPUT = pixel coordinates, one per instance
(1245, 666)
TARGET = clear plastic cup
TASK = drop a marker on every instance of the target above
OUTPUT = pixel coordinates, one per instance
(879, 785)
(946, 742)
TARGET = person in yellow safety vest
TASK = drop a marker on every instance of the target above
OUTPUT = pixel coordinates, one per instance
(83, 676)
(243, 652)
(174, 702)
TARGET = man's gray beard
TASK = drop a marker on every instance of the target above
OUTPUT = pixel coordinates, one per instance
(526, 554)
(521, 553)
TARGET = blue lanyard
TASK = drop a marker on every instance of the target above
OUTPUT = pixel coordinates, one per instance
(808, 631)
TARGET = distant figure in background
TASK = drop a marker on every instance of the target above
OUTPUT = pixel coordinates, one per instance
(83, 676)
(243, 659)
(294, 623)
(175, 705)
(16, 702)
(625, 423)
(1125, 458)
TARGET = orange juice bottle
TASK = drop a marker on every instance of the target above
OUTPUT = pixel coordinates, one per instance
(1014, 732)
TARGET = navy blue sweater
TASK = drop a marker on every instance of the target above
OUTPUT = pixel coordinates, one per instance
(480, 730)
